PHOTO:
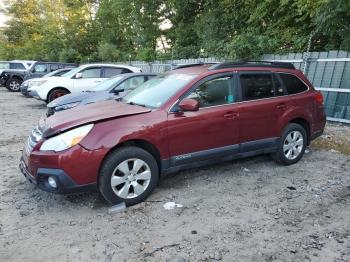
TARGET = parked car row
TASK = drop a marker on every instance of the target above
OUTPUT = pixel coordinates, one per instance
(14, 76)
(152, 125)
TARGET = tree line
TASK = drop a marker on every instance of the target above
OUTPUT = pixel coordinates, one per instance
(122, 30)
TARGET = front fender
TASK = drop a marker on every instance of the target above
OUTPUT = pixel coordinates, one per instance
(108, 134)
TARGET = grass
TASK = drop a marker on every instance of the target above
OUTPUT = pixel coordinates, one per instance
(339, 144)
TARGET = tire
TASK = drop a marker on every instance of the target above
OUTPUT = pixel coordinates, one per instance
(290, 147)
(14, 84)
(135, 163)
(56, 93)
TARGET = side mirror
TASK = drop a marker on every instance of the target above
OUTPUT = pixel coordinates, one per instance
(117, 91)
(189, 104)
(79, 75)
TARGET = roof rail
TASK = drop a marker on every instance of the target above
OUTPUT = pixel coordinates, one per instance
(245, 63)
(190, 65)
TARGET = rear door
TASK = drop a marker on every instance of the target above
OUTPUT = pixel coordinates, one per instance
(210, 132)
(263, 104)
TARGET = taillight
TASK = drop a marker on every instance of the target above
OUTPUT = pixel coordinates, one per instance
(319, 97)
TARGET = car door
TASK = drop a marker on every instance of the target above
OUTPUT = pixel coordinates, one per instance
(210, 132)
(129, 84)
(39, 69)
(89, 77)
(264, 103)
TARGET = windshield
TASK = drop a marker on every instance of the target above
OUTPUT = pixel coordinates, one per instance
(156, 91)
(72, 72)
(50, 74)
(4, 65)
(107, 84)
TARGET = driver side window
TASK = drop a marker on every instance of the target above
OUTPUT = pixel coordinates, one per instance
(214, 92)
(131, 83)
(91, 73)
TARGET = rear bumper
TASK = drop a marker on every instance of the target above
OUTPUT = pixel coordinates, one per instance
(65, 185)
(316, 135)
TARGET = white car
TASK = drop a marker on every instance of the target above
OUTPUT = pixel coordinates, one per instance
(79, 79)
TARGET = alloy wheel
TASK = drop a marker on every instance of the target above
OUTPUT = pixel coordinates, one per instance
(131, 178)
(14, 85)
(293, 145)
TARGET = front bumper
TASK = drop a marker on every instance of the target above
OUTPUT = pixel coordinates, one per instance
(74, 170)
(33, 93)
(65, 184)
(24, 90)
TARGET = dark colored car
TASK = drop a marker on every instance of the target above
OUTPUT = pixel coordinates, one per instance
(184, 118)
(112, 88)
(12, 79)
(24, 86)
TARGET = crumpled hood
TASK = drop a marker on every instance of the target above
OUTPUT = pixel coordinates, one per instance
(85, 114)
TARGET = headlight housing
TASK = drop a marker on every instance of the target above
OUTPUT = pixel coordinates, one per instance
(66, 106)
(67, 139)
(38, 83)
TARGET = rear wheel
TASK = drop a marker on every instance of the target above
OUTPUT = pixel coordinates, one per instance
(292, 144)
(13, 85)
(56, 93)
(129, 174)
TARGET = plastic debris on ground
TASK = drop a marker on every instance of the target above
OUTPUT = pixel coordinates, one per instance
(117, 208)
(171, 205)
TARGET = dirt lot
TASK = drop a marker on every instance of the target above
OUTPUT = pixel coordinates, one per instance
(247, 210)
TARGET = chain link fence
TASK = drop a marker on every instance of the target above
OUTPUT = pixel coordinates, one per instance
(329, 72)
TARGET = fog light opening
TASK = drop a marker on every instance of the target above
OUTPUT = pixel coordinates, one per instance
(52, 182)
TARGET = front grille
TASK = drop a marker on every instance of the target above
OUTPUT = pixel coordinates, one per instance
(50, 111)
(33, 139)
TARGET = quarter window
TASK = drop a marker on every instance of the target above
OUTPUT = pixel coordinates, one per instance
(214, 92)
(293, 84)
(257, 86)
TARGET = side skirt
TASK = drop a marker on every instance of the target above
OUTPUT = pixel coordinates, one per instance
(212, 156)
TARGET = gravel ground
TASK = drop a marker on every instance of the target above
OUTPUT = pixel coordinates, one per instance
(246, 210)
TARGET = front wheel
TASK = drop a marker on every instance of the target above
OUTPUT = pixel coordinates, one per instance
(13, 85)
(292, 144)
(129, 174)
(56, 93)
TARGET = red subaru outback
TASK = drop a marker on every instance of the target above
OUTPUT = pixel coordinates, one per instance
(188, 117)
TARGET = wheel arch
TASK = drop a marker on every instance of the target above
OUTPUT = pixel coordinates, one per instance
(54, 89)
(305, 124)
(144, 144)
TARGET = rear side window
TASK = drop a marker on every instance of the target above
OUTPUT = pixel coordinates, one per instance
(293, 84)
(112, 71)
(54, 67)
(257, 86)
(17, 66)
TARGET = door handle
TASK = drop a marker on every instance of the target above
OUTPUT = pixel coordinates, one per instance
(281, 106)
(231, 115)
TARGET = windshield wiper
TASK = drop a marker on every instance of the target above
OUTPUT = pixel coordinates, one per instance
(136, 104)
